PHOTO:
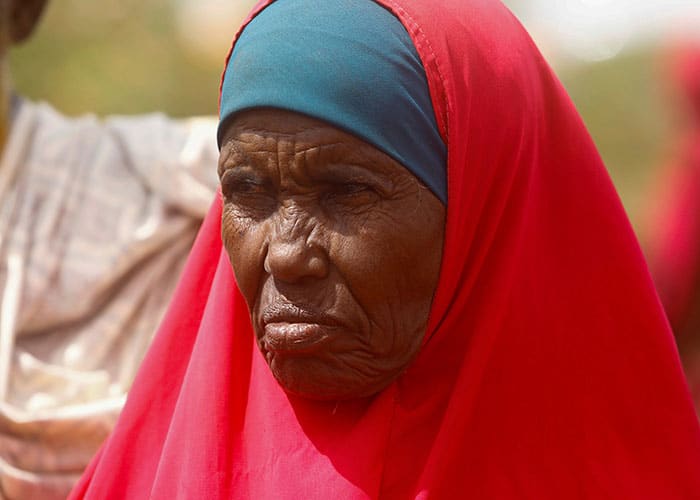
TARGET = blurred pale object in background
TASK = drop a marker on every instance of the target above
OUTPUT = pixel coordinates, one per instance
(594, 30)
(205, 26)
(96, 222)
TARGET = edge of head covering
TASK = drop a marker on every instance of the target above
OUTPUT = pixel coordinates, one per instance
(350, 63)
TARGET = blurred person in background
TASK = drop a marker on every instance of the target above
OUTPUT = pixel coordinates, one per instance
(674, 242)
(96, 221)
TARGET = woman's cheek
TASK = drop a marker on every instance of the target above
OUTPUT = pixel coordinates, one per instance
(241, 239)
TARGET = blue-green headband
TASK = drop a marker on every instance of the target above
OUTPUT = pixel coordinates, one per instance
(350, 63)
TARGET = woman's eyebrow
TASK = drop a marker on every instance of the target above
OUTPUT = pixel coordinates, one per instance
(349, 170)
(235, 153)
(358, 154)
(230, 156)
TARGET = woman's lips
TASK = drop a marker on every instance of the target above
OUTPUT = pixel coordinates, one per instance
(296, 337)
(292, 329)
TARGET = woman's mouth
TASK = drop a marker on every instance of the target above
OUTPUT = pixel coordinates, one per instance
(296, 337)
(294, 330)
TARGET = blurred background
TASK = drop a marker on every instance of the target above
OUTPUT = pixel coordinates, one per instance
(134, 56)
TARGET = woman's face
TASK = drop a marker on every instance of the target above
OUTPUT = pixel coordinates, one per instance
(336, 248)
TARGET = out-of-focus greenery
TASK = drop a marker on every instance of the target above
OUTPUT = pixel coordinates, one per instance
(124, 56)
(114, 56)
(622, 103)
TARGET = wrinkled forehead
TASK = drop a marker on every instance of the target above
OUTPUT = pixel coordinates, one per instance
(255, 136)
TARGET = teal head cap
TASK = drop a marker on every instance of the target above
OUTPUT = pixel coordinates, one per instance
(350, 63)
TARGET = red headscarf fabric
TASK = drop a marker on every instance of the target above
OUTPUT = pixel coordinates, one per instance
(548, 370)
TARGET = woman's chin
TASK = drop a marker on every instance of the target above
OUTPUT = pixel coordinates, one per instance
(314, 379)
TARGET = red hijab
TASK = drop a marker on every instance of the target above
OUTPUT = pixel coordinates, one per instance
(548, 370)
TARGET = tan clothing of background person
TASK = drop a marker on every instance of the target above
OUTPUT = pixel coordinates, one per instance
(96, 221)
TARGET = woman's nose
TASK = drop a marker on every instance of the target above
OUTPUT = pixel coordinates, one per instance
(294, 253)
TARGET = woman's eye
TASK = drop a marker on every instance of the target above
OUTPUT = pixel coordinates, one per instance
(248, 187)
(353, 193)
(247, 197)
(353, 188)
(232, 186)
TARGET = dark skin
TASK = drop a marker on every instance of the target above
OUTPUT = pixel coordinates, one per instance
(18, 18)
(336, 248)
(23, 17)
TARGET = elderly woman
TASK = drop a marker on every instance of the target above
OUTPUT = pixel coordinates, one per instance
(435, 291)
